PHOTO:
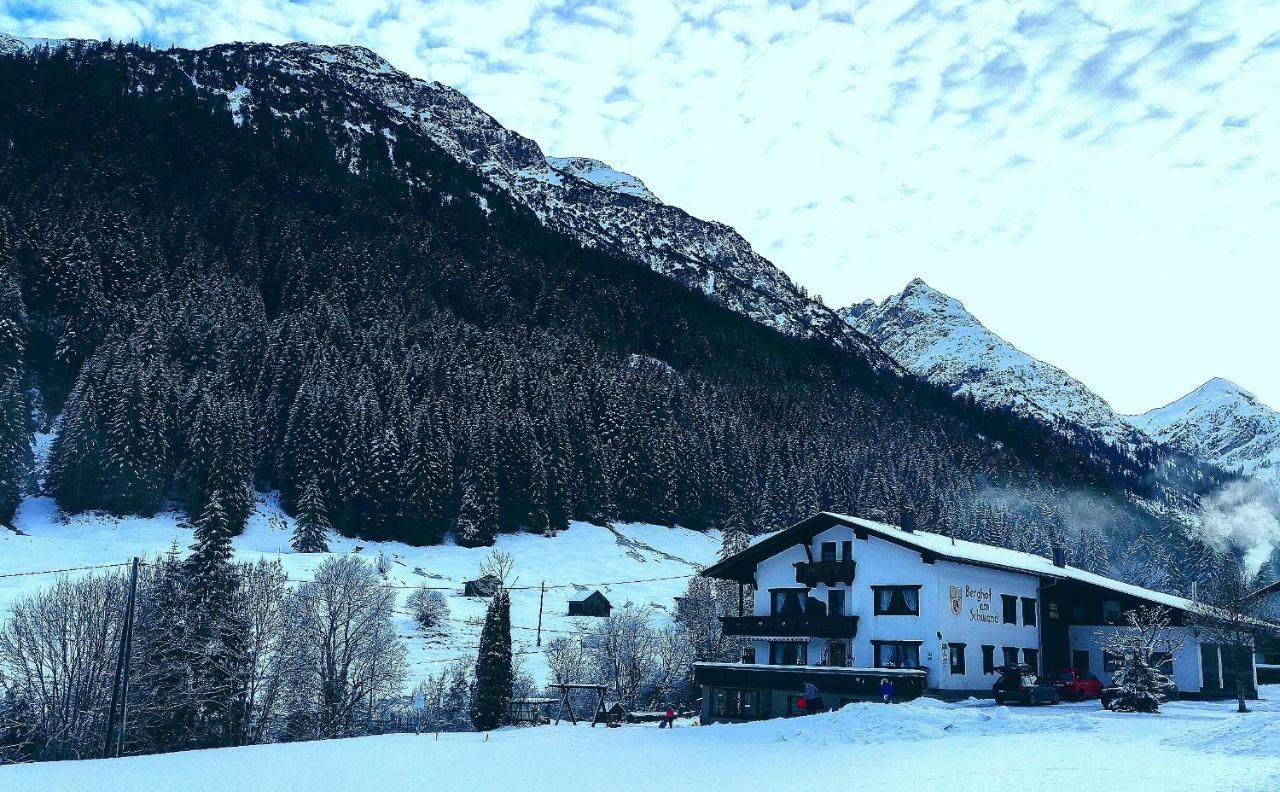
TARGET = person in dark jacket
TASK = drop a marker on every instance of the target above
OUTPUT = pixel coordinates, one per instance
(811, 702)
(886, 691)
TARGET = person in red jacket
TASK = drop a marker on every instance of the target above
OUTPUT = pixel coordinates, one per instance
(669, 719)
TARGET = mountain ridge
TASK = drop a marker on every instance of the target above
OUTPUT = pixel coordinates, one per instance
(1221, 423)
(933, 336)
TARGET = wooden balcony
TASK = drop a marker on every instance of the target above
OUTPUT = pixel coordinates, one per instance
(801, 626)
(811, 573)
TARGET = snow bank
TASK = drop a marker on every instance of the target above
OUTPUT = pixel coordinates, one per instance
(922, 745)
(1249, 734)
(922, 719)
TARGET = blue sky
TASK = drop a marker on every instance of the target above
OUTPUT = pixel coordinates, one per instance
(1098, 182)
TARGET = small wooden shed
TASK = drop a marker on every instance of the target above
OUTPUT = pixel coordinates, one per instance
(595, 605)
(486, 586)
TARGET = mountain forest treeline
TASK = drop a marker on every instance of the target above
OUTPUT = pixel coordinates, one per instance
(207, 308)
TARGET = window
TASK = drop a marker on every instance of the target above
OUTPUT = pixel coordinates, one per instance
(1010, 655)
(828, 551)
(1111, 661)
(837, 653)
(957, 657)
(835, 602)
(1162, 662)
(897, 654)
(897, 600)
(739, 704)
(1111, 611)
(1010, 603)
(846, 551)
(1029, 611)
(1080, 659)
(1032, 658)
(788, 602)
(788, 652)
(988, 659)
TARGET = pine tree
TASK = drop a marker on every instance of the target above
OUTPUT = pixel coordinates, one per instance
(15, 429)
(491, 699)
(210, 559)
(311, 529)
(478, 512)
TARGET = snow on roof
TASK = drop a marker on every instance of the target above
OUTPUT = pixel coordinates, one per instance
(963, 551)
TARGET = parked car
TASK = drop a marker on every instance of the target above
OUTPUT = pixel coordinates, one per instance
(1075, 684)
(1168, 692)
(1019, 683)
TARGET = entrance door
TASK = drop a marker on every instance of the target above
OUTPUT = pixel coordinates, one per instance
(1080, 659)
(836, 654)
(1210, 668)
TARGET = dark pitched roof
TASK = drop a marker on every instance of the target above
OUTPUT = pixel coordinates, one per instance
(594, 596)
(1267, 590)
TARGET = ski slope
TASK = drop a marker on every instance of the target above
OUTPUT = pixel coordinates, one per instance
(570, 564)
(1190, 747)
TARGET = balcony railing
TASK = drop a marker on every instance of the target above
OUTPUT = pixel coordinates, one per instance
(811, 573)
(801, 626)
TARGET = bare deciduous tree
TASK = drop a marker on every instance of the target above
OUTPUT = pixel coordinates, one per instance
(344, 653)
(57, 662)
(1235, 621)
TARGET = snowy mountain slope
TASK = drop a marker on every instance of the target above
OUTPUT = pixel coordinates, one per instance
(601, 175)
(972, 746)
(362, 100)
(1221, 423)
(47, 539)
(934, 337)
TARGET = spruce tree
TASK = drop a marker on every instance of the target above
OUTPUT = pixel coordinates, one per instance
(491, 697)
(15, 429)
(311, 530)
(211, 553)
(478, 512)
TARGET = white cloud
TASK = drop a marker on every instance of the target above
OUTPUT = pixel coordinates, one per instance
(1096, 180)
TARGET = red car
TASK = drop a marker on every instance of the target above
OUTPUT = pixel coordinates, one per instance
(1075, 684)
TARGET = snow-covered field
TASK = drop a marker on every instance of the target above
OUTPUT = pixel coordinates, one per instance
(569, 564)
(922, 745)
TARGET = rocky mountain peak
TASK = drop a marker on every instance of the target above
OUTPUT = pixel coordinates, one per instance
(933, 335)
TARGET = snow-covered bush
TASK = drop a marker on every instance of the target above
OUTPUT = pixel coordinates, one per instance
(429, 610)
(1138, 685)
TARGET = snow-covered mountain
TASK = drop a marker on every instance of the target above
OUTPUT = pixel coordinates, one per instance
(602, 175)
(934, 337)
(362, 100)
(1222, 423)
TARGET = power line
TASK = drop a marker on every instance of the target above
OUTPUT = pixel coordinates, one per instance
(59, 571)
(398, 586)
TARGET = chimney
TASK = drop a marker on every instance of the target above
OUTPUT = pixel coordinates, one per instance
(908, 519)
(1059, 556)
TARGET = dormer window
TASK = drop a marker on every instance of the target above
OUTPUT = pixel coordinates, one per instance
(897, 600)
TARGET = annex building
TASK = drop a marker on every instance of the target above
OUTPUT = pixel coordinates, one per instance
(843, 602)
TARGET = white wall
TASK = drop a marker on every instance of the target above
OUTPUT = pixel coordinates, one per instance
(880, 562)
(978, 619)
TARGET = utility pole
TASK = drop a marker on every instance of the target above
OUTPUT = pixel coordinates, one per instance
(119, 686)
(541, 596)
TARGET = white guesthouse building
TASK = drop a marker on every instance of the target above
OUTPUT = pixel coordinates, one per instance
(843, 603)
